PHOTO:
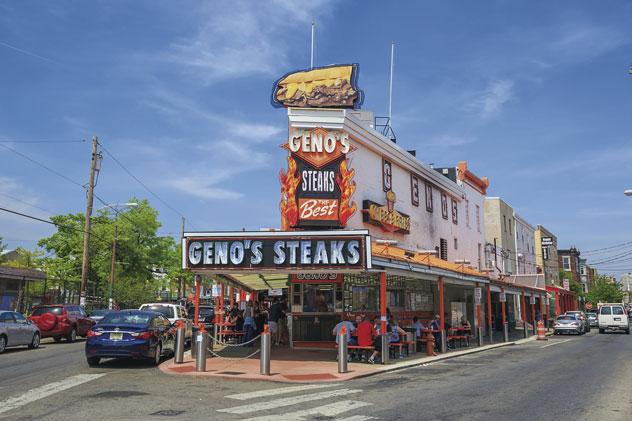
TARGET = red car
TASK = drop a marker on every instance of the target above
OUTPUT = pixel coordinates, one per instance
(61, 321)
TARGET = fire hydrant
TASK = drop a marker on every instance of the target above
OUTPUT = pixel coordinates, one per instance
(430, 343)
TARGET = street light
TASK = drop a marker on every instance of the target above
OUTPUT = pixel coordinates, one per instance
(627, 192)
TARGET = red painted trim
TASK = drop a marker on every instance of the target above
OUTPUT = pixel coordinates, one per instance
(489, 306)
(383, 302)
(441, 305)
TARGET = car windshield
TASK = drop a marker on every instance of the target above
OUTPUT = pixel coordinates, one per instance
(205, 311)
(126, 318)
(591, 314)
(567, 317)
(166, 311)
(43, 310)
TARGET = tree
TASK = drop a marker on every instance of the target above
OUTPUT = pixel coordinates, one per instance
(603, 290)
(141, 253)
(2, 247)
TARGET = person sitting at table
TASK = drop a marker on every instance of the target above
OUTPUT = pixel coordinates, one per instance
(364, 333)
(397, 333)
(377, 340)
(465, 324)
(419, 329)
(435, 326)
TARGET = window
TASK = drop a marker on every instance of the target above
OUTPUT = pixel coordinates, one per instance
(414, 190)
(455, 212)
(566, 263)
(19, 317)
(318, 298)
(467, 213)
(456, 244)
(617, 310)
(429, 204)
(395, 298)
(443, 249)
(478, 218)
(6, 317)
(166, 311)
(505, 222)
(510, 227)
(43, 310)
(606, 310)
(480, 252)
(444, 205)
(365, 298)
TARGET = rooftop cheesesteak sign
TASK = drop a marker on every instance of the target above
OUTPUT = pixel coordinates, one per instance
(256, 251)
(316, 190)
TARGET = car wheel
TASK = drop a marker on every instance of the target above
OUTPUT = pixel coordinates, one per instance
(93, 361)
(57, 338)
(157, 355)
(3, 343)
(627, 331)
(35, 341)
(72, 336)
(601, 330)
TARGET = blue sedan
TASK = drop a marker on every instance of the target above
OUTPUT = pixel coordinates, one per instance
(130, 334)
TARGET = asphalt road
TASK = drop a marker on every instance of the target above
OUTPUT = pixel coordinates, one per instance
(565, 378)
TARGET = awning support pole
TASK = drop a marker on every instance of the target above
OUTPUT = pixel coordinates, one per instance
(197, 299)
(442, 315)
(489, 314)
(504, 317)
(523, 312)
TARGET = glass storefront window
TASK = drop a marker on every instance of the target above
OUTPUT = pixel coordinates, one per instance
(318, 298)
(365, 298)
(395, 298)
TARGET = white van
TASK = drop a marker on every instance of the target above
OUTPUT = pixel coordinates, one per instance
(613, 317)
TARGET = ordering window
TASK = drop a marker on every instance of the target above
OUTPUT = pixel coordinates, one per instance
(316, 298)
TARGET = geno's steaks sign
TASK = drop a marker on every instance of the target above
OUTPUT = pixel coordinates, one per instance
(257, 251)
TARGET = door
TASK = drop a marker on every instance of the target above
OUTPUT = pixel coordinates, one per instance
(14, 336)
(84, 323)
(26, 330)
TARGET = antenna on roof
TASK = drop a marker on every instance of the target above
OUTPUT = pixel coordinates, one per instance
(311, 62)
(390, 90)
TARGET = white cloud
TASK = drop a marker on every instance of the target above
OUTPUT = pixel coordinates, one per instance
(200, 187)
(489, 102)
(449, 140)
(240, 38)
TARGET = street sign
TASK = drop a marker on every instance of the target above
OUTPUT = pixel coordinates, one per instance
(546, 241)
(532, 299)
(477, 295)
(566, 284)
(503, 297)
(546, 300)
(545, 252)
(588, 306)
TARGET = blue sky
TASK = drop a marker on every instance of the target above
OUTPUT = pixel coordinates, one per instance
(535, 95)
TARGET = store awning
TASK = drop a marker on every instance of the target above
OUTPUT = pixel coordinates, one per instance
(255, 281)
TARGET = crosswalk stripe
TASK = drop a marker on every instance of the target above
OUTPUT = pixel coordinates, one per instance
(292, 400)
(329, 410)
(278, 391)
(45, 391)
(356, 418)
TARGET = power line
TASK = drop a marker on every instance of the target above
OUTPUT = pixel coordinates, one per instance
(141, 183)
(597, 251)
(41, 141)
(25, 202)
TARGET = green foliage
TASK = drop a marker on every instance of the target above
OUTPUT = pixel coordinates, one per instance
(2, 247)
(26, 259)
(574, 286)
(604, 290)
(140, 253)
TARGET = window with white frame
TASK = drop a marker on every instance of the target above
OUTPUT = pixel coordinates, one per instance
(566, 263)
(467, 213)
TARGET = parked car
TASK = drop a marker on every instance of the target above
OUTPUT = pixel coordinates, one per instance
(613, 317)
(592, 319)
(98, 314)
(173, 312)
(206, 316)
(16, 330)
(130, 334)
(568, 323)
(584, 319)
(61, 321)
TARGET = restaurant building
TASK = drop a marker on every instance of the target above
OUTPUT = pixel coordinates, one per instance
(366, 227)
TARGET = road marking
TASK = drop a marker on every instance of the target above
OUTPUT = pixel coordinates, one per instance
(458, 363)
(356, 418)
(556, 343)
(292, 400)
(278, 391)
(45, 391)
(329, 410)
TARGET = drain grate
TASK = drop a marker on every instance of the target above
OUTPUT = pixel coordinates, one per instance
(167, 413)
(231, 373)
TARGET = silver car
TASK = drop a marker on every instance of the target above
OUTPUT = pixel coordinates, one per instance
(15, 330)
(568, 323)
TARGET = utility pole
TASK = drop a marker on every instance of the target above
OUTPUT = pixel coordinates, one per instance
(181, 293)
(113, 268)
(94, 163)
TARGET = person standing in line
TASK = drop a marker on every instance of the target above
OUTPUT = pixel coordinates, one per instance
(274, 314)
(249, 322)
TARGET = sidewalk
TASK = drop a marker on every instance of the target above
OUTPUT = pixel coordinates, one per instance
(302, 366)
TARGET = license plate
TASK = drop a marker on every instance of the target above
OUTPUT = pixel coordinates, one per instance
(617, 319)
(116, 336)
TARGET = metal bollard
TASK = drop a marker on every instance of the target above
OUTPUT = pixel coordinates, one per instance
(444, 343)
(194, 333)
(386, 349)
(412, 346)
(264, 362)
(180, 334)
(480, 335)
(506, 331)
(343, 352)
(201, 343)
(491, 334)
(525, 329)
